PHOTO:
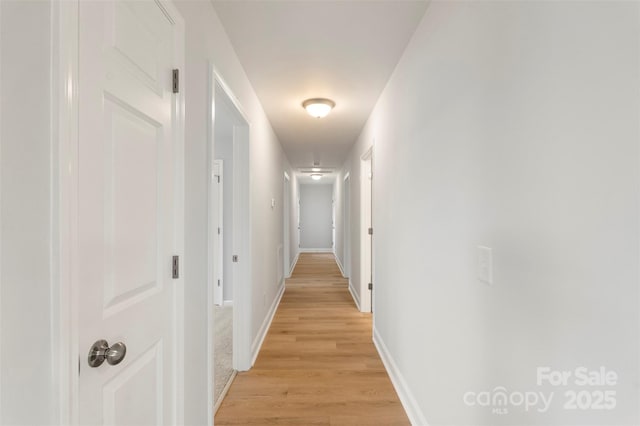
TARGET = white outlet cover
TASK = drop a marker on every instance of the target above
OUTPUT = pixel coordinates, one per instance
(485, 264)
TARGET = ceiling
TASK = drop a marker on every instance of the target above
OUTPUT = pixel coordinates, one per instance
(343, 50)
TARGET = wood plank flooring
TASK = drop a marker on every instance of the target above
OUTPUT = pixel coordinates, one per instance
(318, 365)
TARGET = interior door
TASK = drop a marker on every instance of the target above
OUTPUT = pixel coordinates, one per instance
(217, 210)
(128, 225)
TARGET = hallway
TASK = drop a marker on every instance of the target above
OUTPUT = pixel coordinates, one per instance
(472, 167)
(318, 365)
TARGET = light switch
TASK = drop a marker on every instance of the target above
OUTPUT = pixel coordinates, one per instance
(273, 202)
(485, 265)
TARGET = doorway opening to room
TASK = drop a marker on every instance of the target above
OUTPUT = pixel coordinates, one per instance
(366, 231)
(346, 226)
(316, 218)
(228, 254)
(288, 252)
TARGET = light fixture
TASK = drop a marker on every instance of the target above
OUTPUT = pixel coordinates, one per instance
(315, 169)
(318, 107)
(316, 176)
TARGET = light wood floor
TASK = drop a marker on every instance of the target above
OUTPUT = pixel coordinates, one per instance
(318, 365)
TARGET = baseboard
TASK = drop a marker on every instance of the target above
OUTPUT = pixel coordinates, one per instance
(224, 392)
(340, 266)
(227, 303)
(264, 328)
(416, 417)
(316, 250)
(356, 299)
(293, 264)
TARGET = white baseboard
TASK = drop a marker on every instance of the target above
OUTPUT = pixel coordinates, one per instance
(264, 328)
(293, 264)
(316, 250)
(416, 417)
(224, 392)
(340, 266)
(356, 299)
(227, 303)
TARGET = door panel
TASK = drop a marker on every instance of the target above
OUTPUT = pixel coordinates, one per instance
(131, 206)
(134, 396)
(127, 229)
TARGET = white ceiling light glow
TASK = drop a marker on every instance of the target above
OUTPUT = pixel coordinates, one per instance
(316, 176)
(318, 107)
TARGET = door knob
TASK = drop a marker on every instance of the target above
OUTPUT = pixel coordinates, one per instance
(100, 351)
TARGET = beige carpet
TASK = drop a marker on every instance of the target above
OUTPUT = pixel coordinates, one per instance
(222, 348)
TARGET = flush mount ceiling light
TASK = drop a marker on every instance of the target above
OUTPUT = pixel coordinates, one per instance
(315, 176)
(318, 107)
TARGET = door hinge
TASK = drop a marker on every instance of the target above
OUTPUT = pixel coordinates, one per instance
(176, 81)
(370, 231)
(175, 268)
(234, 258)
(370, 286)
(218, 230)
(218, 283)
(218, 178)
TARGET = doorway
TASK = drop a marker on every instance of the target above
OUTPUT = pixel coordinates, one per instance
(366, 232)
(286, 225)
(346, 221)
(229, 333)
(316, 217)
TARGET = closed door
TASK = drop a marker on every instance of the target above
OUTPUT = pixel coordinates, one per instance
(128, 208)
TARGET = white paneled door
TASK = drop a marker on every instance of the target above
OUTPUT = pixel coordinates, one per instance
(129, 225)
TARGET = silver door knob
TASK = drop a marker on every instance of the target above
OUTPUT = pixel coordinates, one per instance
(100, 351)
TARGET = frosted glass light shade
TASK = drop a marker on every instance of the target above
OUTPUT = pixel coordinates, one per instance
(318, 107)
(316, 176)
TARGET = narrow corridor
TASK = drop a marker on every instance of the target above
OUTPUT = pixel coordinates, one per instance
(318, 364)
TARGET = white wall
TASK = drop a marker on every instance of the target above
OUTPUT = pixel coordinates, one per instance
(316, 216)
(512, 125)
(27, 346)
(206, 41)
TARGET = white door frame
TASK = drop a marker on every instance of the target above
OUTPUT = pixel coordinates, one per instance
(286, 214)
(64, 217)
(333, 219)
(366, 246)
(219, 91)
(65, 30)
(346, 226)
(216, 264)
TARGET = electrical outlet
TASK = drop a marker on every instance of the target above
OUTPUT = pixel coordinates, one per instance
(485, 265)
